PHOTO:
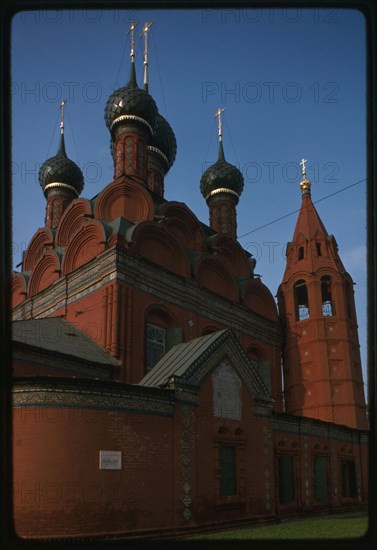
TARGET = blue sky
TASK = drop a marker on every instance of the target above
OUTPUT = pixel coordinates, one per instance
(292, 83)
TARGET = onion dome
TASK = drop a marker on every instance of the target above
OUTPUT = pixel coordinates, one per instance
(132, 103)
(221, 177)
(60, 171)
(164, 140)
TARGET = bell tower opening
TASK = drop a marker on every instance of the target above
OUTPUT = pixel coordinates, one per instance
(301, 300)
(328, 308)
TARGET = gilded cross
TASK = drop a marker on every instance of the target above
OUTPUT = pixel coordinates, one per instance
(64, 101)
(131, 30)
(144, 33)
(302, 163)
(146, 28)
(219, 126)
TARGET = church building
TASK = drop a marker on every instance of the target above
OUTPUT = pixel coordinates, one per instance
(158, 387)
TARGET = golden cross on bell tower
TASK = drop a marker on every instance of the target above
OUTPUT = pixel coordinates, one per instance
(305, 184)
(303, 171)
(219, 125)
(64, 101)
(144, 33)
(131, 30)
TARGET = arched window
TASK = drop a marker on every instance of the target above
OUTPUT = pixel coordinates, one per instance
(300, 253)
(156, 344)
(301, 300)
(327, 302)
(161, 335)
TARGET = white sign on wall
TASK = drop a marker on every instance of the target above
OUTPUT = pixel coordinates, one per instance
(110, 460)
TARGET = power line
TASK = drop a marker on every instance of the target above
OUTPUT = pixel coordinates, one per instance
(298, 209)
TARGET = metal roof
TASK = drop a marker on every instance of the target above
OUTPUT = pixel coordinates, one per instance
(57, 335)
(189, 363)
(177, 360)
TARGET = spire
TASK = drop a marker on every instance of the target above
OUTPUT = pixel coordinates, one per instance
(310, 235)
(144, 33)
(61, 150)
(305, 184)
(132, 52)
(308, 222)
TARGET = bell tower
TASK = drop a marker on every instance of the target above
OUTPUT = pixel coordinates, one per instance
(321, 355)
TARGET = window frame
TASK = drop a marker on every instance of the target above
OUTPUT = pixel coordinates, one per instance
(327, 301)
(348, 478)
(239, 444)
(233, 479)
(316, 489)
(300, 308)
(292, 458)
(148, 342)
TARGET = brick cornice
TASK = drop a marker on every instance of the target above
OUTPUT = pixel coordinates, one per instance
(91, 394)
(56, 361)
(282, 422)
(127, 266)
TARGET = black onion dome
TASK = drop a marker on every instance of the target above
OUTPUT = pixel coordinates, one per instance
(221, 175)
(131, 100)
(61, 170)
(164, 139)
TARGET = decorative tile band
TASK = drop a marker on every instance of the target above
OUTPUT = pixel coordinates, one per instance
(306, 472)
(267, 465)
(186, 460)
(67, 396)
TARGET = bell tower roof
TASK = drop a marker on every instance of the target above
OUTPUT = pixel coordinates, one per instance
(311, 247)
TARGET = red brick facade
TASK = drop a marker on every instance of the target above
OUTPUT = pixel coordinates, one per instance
(163, 357)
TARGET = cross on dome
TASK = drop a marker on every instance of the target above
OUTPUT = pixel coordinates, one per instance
(219, 124)
(131, 30)
(64, 101)
(144, 33)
